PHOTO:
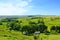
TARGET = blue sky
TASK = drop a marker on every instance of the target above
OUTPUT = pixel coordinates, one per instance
(29, 7)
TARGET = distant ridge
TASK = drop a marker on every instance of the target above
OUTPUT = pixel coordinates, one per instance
(15, 16)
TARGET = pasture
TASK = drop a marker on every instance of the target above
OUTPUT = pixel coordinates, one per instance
(13, 28)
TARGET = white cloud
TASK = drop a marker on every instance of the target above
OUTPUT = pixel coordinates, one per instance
(14, 7)
(9, 9)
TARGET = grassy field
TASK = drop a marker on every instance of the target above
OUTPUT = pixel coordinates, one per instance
(49, 37)
(16, 35)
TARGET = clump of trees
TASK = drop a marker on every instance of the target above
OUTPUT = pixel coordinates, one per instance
(14, 26)
(55, 29)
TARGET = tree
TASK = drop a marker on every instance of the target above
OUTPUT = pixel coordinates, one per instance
(0, 23)
(42, 28)
(53, 30)
(25, 29)
(14, 26)
(28, 29)
(58, 29)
